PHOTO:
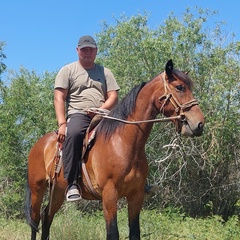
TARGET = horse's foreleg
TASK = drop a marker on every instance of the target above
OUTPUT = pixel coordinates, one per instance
(109, 202)
(135, 202)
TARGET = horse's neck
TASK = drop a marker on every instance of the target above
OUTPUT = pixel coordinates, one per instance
(140, 133)
(143, 112)
(145, 108)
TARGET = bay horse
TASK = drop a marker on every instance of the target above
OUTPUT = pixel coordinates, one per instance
(116, 163)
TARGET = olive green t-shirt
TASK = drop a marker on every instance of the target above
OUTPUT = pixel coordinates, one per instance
(86, 88)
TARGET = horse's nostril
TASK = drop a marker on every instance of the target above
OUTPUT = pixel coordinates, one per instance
(200, 126)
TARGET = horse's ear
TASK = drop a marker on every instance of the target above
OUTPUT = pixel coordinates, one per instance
(169, 68)
(187, 72)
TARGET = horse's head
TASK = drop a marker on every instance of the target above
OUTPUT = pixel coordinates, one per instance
(178, 100)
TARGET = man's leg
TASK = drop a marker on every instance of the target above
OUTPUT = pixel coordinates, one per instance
(77, 125)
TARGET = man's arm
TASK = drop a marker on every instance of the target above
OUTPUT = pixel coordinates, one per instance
(60, 95)
(112, 99)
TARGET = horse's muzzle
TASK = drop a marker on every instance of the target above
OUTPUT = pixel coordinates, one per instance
(191, 130)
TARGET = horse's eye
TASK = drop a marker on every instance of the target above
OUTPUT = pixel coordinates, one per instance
(180, 88)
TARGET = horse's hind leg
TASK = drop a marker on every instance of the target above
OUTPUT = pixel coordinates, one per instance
(35, 194)
(46, 224)
(50, 211)
(33, 225)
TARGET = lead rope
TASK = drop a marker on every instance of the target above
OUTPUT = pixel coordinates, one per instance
(105, 112)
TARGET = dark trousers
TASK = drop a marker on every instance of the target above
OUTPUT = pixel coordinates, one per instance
(77, 125)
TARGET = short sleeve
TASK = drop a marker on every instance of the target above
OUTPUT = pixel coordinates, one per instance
(62, 78)
(110, 81)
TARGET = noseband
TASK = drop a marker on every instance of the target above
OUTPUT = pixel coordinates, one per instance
(168, 96)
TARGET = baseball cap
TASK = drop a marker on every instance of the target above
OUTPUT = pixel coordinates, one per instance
(86, 41)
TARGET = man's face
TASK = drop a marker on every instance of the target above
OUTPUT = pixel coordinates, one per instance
(87, 54)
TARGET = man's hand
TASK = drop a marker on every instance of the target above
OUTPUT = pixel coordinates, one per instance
(61, 133)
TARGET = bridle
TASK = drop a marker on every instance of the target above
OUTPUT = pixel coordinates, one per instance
(168, 96)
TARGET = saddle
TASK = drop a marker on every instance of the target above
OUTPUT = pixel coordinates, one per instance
(90, 134)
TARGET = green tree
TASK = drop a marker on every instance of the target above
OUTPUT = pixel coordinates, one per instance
(2, 57)
(26, 113)
(193, 173)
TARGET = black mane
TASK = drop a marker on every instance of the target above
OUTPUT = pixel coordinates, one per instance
(121, 111)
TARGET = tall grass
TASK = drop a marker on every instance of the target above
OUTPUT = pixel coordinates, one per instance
(72, 224)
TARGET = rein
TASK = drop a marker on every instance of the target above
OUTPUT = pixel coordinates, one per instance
(105, 112)
(145, 121)
(167, 96)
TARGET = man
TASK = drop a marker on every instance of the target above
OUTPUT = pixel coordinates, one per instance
(79, 86)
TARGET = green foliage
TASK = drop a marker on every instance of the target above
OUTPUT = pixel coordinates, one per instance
(26, 113)
(2, 57)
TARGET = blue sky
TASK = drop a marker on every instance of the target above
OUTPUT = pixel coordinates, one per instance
(42, 35)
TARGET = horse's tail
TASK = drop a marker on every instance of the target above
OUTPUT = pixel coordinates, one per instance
(28, 207)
